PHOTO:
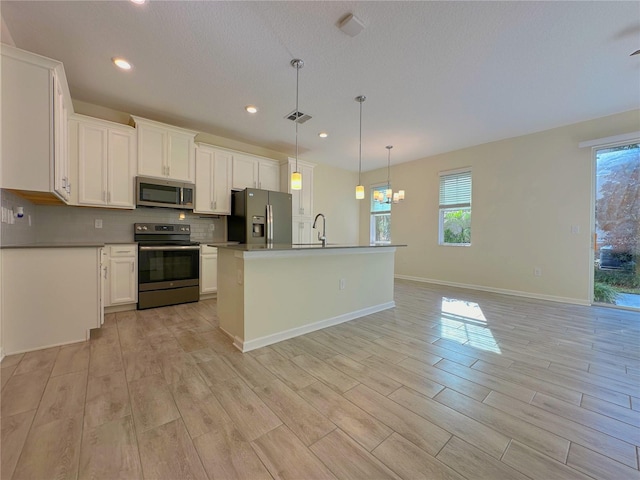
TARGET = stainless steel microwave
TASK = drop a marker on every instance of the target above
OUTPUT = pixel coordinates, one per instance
(155, 192)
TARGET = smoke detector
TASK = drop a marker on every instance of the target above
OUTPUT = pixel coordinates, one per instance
(351, 25)
(298, 117)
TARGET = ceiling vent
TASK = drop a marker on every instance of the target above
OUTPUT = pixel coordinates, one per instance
(298, 117)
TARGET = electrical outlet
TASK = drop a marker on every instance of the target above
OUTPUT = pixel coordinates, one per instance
(342, 284)
(212, 227)
(537, 271)
(98, 223)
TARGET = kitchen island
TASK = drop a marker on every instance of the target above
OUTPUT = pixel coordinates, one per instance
(269, 293)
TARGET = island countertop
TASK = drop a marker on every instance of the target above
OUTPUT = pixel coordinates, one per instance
(244, 247)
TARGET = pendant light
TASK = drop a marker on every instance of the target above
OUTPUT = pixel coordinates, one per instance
(389, 196)
(360, 188)
(296, 176)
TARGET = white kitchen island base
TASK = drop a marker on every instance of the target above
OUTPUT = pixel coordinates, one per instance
(266, 295)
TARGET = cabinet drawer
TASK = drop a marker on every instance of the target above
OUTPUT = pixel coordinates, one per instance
(122, 250)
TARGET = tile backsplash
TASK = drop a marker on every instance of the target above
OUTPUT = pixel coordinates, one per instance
(66, 224)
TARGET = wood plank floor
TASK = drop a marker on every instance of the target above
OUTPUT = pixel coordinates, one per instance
(450, 384)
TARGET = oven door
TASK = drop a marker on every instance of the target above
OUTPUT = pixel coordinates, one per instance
(168, 266)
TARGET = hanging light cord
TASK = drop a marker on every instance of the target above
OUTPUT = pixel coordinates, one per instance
(360, 146)
(297, 112)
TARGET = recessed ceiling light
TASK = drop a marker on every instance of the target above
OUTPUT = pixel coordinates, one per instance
(251, 108)
(323, 134)
(121, 63)
(139, 2)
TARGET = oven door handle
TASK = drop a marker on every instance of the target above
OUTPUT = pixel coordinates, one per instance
(171, 247)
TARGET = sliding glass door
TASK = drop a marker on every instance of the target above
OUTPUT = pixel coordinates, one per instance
(617, 226)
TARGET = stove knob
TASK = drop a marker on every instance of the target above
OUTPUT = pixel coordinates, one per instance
(144, 227)
(138, 227)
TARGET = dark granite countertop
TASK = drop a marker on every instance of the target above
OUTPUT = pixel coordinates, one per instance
(243, 247)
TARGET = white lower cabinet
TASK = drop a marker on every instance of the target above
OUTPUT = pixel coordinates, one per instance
(50, 296)
(302, 231)
(121, 275)
(208, 270)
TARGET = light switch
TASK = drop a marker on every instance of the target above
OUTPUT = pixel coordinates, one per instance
(98, 223)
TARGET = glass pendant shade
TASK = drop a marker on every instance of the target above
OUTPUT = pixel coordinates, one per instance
(359, 192)
(296, 181)
(400, 194)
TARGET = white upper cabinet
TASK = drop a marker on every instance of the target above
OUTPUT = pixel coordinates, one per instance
(245, 172)
(255, 172)
(269, 175)
(213, 180)
(106, 161)
(301, 200)
(35, 104)
(165, 151)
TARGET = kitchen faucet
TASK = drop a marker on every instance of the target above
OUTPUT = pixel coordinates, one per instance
(323, 237)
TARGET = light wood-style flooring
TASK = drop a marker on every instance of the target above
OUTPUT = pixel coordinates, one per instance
(450, 384)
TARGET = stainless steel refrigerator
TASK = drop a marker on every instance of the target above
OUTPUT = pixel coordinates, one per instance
(260, 217)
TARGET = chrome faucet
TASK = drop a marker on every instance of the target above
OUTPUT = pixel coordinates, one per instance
(323, 237)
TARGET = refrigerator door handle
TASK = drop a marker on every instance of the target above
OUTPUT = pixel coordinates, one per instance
(269, 223)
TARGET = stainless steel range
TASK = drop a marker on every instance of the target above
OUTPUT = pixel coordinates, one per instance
(168, 265)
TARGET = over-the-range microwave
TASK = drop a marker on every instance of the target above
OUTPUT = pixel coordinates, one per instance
(155, 192)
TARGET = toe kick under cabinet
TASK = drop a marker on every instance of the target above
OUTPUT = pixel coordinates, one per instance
(50, 296)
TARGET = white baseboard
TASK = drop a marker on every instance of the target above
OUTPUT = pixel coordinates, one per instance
(1, 354)
(44, 347)
(247, 346)
(208, 296)
(515, 293)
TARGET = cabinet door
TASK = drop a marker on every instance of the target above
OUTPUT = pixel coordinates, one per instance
(180, 165)
(204, 180)
(92, 161)
(26, 125)
(222, 183)
(269, 176)
(120, 168)
(122, 280)
(208, 273)
(302, 231)
(60, 138)
(245, 172)
(152, 150)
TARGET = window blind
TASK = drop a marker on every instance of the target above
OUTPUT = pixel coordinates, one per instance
(455, 189)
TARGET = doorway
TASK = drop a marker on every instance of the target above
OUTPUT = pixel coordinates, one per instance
(616, 246)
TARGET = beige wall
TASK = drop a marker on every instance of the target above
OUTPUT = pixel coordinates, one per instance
(527, 193)
(334, 195)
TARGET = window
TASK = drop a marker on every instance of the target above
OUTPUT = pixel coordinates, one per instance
(380, 218)
(455, 207)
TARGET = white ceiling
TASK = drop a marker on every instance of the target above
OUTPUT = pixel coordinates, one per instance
(438, 76)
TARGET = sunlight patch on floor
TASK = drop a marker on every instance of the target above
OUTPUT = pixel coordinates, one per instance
(463, 322)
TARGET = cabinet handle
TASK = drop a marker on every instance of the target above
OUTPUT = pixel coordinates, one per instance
(168, 170)
(122, 251)
(132, 267)
(69, 188)
(212, 206)
(105, 273)
(64, 183)
(215, 204)
(108, 197)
